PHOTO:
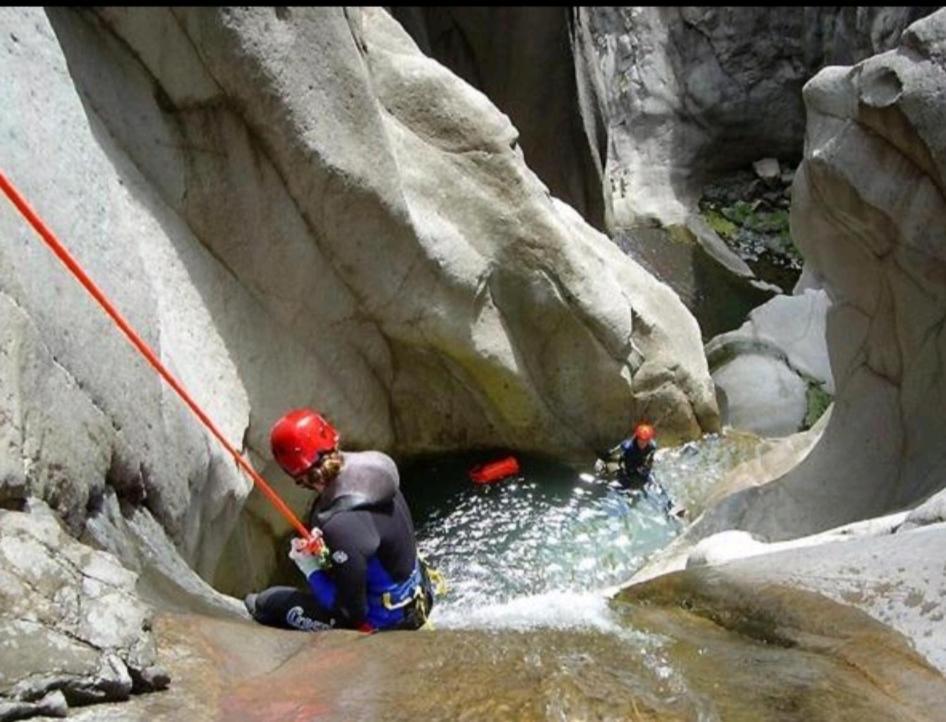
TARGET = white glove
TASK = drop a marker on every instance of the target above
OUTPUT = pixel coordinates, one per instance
(599, 467)
(306, 559)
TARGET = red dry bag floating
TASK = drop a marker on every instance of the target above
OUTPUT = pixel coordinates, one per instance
(494, 470)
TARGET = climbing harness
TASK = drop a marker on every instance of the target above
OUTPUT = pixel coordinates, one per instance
(418, 603)
(20, 203)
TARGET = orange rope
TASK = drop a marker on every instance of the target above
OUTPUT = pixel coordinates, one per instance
(49, 237)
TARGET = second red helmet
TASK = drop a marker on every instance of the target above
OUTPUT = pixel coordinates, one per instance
(299, 438)
(644, 432)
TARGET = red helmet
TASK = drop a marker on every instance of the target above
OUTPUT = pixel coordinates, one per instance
(299, 438)
(644, 432)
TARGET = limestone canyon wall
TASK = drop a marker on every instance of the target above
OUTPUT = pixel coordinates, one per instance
(869, 213)
(696, 91)
(294, 207)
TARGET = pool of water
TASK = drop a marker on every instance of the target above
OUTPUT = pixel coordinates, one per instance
(545, 548)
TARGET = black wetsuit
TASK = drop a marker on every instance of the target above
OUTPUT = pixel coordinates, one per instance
(367, 527)
(636, 463)
(636, 472)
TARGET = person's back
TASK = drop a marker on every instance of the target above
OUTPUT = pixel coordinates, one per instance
(366, 523)
(366, 574)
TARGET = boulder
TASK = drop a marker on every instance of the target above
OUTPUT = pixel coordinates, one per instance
(83, 413)
(767, 369)
(767, 169)
(430, 286)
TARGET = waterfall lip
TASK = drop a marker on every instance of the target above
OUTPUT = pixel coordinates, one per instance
(554, 609)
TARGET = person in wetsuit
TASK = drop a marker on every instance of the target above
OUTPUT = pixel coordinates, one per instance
(370, 577)
(635, 456)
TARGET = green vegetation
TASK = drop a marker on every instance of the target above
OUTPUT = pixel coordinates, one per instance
(758, 232)
(818, 402)
(719, 223)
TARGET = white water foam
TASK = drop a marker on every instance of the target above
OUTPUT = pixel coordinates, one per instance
(549, 610)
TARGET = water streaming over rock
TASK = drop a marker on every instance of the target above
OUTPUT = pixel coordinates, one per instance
(530, 630)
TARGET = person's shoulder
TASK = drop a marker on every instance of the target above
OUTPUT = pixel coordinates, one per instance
(370, 458)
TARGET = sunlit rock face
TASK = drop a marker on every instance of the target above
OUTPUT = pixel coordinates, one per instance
(377, 209)
(529, 61)
(765, 370)
(628, 113)
(293, 207)
(869, 213)
(87, 425)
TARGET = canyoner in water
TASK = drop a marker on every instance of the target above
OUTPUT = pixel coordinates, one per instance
(366, 574)
(634, 459)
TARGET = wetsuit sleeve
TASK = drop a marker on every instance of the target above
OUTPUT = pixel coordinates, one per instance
(352, 539)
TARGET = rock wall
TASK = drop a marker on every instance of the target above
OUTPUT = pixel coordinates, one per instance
(628, 113)
(294, 207)
(869, 213)
(696, 91)
(653, 101)
(528, 62)
(85, 419)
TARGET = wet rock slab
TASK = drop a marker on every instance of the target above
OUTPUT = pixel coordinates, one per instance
(670, 654)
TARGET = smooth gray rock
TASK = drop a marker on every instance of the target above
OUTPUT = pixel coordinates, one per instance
(868, 211)
(697, 91)
(765, 368)
(532, 63)
(763, 394)
(932, 511)
(669, 100)
(896, 578)
(292, 207)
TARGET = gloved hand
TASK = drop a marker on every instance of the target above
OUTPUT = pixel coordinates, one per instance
(600, 467)
(307, 560)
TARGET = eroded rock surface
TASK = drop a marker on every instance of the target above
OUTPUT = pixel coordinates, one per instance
(696, 91)
(649, 659)
(73, 631)
(869, 213)
(292, 207)
(766, 370)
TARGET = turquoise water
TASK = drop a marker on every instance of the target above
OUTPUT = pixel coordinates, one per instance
(545, 536)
